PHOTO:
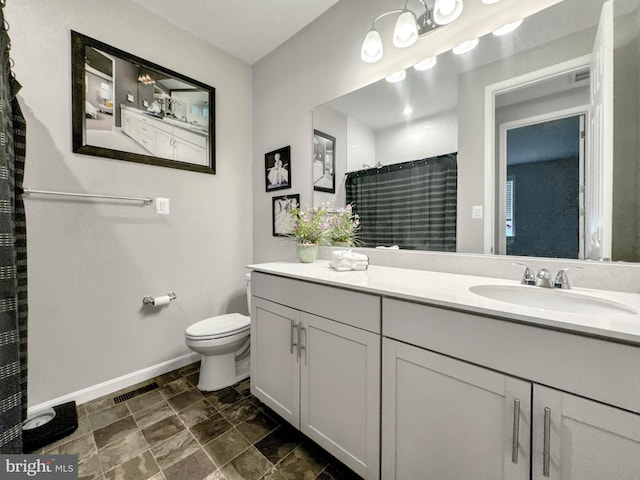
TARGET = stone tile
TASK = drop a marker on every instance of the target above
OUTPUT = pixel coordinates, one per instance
(89, 467)
(211, 428)
(159, 411)
(99, 404)
(185, 399)
(114, 431)
(82, 446)
(279, 443)
(174, 449)
(337, 472)
(122, 451)
(81, 410)
(243, 387)
(144, 401)
(172, 389)
(193, 378)
(110, 415)
(273, 474)
(217, 475)
(240, 412)
(162, 430)
(222, 399)
(257, 427)
(165, 378)
(189, 369)
(249, 465)
(226, 447)
(197, 413)
(158, 476)
(196, 466)
(141, 467)
(304, 463)
(83, 428)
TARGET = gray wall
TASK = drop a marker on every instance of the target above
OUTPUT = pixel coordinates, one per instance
(92, 262)
(126, 81)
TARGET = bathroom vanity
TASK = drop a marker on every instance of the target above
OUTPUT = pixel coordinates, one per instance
(414, 374)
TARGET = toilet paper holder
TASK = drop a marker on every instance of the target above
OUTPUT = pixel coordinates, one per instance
(149, 300)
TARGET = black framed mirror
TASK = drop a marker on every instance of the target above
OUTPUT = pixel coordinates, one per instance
(324, 162)
(128, 108)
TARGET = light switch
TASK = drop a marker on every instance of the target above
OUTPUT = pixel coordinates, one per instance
(476, 211)
(162, 206)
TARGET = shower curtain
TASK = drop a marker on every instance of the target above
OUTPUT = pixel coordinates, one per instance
(411, 204)
(13, 256)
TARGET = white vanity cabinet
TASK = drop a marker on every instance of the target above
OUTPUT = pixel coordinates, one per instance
(452, 418)
(315, 360)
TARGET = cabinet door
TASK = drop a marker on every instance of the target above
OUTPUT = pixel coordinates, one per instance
(579, 439)
(443, 419)
(275, 368)
(163, 144)
(190, 153)
(340, 391)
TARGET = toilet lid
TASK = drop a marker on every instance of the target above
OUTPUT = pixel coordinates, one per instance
(220, 325)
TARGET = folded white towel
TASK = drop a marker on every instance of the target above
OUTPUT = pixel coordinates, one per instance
(345, 260)
(392, 247)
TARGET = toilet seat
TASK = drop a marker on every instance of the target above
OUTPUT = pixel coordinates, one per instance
(218, 327)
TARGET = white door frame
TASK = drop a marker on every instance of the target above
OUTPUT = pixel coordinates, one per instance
(490, 93)
(501, 245)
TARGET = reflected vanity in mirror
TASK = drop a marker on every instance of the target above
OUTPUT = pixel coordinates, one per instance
(539, 170)
(128, 108)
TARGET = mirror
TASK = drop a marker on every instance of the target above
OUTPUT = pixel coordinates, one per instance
(128, 108)
(536, 77)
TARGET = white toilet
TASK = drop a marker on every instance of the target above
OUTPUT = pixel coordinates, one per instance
(223, 342)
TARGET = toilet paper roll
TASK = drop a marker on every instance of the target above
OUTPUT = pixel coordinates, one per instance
(163, 300)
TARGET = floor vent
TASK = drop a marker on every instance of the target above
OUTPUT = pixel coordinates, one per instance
(134, 393)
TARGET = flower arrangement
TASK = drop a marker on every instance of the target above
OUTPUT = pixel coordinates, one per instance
(310, 225)
(345, 225)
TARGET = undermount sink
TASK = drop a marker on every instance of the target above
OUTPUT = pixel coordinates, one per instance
(552, 299)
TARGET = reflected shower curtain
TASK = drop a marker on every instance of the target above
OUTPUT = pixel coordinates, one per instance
(411, 204)
(13, 257)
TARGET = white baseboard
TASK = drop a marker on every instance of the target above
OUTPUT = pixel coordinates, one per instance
(115, 384)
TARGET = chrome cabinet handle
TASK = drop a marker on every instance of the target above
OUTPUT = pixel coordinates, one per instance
(546, 453)
(293, 342)
(303, 330)
(516, 431)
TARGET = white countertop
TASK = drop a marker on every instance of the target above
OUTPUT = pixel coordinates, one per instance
(452, 291)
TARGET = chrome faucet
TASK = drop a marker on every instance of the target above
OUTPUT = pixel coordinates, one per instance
(562, 281)
(527, 276)
(543, 279)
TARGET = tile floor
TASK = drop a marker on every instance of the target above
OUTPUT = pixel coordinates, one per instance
(177, 432)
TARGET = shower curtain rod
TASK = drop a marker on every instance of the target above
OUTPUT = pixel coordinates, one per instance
(145, 200)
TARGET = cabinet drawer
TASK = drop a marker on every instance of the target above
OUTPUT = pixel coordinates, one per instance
(352, 308)
(146, 141)
(591, 367)
(165, 127)
(191, 137)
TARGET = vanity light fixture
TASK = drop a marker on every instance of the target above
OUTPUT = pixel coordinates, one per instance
(396, 76)
(465, 47)
(508, 28)
(426, 64)
(447, 11)
(409, 27)
(407, 110)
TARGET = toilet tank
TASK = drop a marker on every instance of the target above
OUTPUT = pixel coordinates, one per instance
(248, 279)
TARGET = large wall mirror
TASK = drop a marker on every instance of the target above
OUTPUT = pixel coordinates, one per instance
(531, 139)
(128, 108)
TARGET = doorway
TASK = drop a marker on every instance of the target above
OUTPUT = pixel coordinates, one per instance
(542, 201)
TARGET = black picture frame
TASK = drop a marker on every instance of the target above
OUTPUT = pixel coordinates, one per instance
(127, 108)
(277, 169)
(281, 218)
(324, 162)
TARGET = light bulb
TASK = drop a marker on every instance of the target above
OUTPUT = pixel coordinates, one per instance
(490, 2)
(371, 47)
(405, 33)
(396, 76)
(407, 111)
(508, 28)
(446, 11)
(465, 47)
(426, 64)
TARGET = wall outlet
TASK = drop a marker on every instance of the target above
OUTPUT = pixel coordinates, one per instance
(476, 211)
(162, 206)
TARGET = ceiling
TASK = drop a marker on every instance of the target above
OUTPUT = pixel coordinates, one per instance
(248, 29)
